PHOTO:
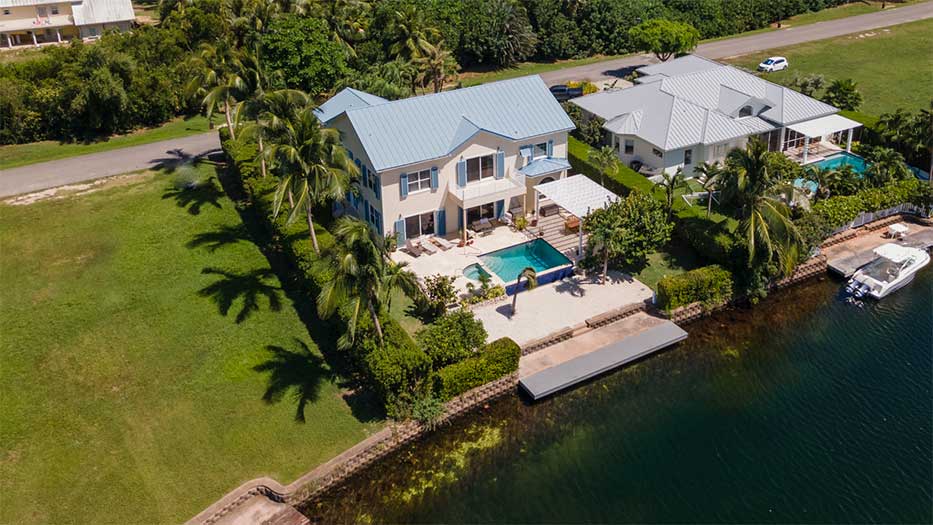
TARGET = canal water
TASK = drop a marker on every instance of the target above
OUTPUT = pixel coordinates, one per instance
(803, 409)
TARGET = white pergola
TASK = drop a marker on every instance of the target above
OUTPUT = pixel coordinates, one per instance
(579, 195)
(820, 127)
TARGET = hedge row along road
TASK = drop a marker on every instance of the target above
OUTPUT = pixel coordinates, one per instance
(36, 177)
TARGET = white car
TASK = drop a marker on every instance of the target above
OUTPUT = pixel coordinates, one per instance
(773, 64)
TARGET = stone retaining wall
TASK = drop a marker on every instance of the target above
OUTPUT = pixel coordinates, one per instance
(357, 458)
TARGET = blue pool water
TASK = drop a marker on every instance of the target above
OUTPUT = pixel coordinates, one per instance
(507, 263)
(857, 163)
(474, 272)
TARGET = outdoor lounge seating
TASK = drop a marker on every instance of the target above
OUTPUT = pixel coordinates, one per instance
(549, 209)
(483, 226)
(413, 247)
(427, 245)
(572, 223)
(443, 243)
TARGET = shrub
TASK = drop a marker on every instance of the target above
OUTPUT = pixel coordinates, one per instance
(439, 291)
(497, 359)
(396, 368)
(452, 337)
(710, 285)
(711, 240)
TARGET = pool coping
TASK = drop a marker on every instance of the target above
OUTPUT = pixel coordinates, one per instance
(545, 275)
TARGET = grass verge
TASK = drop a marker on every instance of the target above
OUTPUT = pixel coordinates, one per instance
(890, 65)
(151, 361)
(24, 154)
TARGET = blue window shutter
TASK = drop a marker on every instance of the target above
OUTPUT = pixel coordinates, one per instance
(365, 210)
(377, 185)
(434, 178)
(379, 222)
(403, 185)
(500, 209)
(459, 218)
(364, 174)
(550, 148)
(350, 153)
(461, 173)
(440, 223)
(500, 164)
(400, 231)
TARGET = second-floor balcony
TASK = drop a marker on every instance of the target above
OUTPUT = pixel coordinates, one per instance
(488, 190)
(37, 24)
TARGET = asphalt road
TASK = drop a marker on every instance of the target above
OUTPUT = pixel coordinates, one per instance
(750, 44)
(44, 175)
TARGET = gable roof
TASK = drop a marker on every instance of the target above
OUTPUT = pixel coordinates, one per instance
(102, 11)
(693, 100)
(402, 132)
(347, 98)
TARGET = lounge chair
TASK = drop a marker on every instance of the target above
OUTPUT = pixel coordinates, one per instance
(442, 242)
(427, 246)
(413, 247)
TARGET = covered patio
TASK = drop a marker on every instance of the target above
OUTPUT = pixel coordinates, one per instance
(816, 139)
(563, 204)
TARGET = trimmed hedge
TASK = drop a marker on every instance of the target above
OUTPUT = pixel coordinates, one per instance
(452, 337)
(838, 211)
(710, 285)
(395, 368)
(497, 359)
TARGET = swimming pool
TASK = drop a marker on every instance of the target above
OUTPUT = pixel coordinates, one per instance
(507, 263)
(858, 163)
(475, 272)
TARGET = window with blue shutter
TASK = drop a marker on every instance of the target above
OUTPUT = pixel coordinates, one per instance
(500, 209)
(403, 185)
(500, 164)
(459, 218)
(350, 153)
(550, 148)
(377, 185)
(440, 223)
(400, 232)
(434, 178)
(461, 173)
(364, 174)
(365, 210)
(359, 169)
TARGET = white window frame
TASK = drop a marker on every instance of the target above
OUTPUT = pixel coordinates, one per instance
(419, 181)
(688, 156)
(628, 146)
(479, 159)
(657, 153)
(421, 223)
(539, 151)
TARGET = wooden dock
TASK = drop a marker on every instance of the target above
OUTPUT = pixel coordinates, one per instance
(851, 255)
(595, 352)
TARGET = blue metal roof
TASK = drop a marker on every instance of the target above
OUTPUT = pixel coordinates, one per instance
(403, 132)
(347, 98)
(545, 165)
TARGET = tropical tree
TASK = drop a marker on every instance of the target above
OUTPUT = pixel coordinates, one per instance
(843, 94)
(823, 178)
(256, 83)
(709, 175)
(530, 277)
(885, 165)
(627, 230)
(604, 232)
(764, 220)
(670, 184)
(923, 135)
(215, 80)
(310, 161)
(808, 84)
(411, 33)
(664, 38)
(356, 267)
(605, 160)
(347, 20)
(437, 64)
(397, 277)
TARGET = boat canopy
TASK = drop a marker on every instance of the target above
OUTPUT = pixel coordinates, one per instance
(895, 252)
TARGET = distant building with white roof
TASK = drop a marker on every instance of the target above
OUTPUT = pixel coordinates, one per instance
(34, 22)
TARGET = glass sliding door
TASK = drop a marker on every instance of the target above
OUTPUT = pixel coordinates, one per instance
(418, 225)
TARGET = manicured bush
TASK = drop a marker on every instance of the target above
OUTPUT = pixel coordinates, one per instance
(497, 359)
(452, 337)
(712, 241)
(710, 285)
(395, 369)
(840, 210)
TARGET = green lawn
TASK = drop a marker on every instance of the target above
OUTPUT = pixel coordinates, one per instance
(892, 66)
(528, 68)
(673, 259)
(150, 360)
(23, 154)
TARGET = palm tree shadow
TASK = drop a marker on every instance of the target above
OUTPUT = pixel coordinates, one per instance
(223, 235)
(249, 286)
(298, 373)
(194, 196)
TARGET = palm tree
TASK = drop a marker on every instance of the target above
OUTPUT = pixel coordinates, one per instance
(257, 82)
(397, 276)
(709, 177)
(311, 163)
(531, 277)
(357, 269)
(670, 184)
(605, 160)
(824, 180)
(412, 34)
(604, 232)
(764, 220)
(215, 80)
(886, 166)
(923, 135)
(347, 19)
(437, 63)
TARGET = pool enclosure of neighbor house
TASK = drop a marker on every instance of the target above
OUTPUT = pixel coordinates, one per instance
(816, 139)
(578, 195)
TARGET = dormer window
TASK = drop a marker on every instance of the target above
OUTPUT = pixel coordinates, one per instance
(746, 111)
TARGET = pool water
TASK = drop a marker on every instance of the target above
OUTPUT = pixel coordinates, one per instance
(475, 272)
(507, 263)
(840, 159)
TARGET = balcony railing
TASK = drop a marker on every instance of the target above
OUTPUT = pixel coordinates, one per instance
(37, 24)
(487, 190)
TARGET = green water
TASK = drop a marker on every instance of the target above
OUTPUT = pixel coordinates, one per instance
(805, 409)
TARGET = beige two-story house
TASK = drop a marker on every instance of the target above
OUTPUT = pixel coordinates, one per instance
(35, 22)
(434, 164)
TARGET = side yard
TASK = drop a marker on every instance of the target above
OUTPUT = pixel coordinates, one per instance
(151, 359)
(891, 66)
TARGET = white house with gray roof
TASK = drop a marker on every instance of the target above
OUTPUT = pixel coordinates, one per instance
(34, 22)
(691, 110)
(431, 164)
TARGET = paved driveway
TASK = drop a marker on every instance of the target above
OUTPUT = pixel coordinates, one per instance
(752, 43)
(44, 175)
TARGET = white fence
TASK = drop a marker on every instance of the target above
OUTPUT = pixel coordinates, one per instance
(867, 217)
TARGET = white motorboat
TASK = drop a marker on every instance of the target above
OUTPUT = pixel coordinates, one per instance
(893, 268)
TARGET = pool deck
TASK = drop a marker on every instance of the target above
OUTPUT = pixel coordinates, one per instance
(567, 303)
(595, 352)
(847, 257)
